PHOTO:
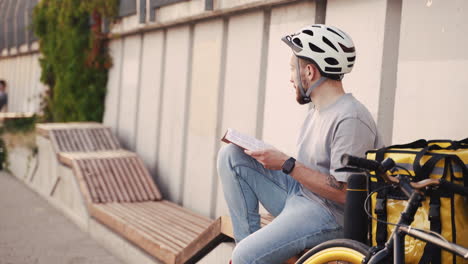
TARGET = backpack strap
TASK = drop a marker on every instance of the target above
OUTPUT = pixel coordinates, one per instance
(380, 209)
(381, 213)
(457, 161)
(459, 144)
(423, 172)
(432, 253)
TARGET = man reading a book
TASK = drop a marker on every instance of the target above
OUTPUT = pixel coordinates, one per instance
(304, 192)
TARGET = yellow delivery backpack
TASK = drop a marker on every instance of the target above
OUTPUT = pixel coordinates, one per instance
(441, 212)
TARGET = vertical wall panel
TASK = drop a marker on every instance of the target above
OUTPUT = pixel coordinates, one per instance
(20, 86)
(202, 138)
(243, 61)
(129, 91)
(3, 10)
(175, 99)
(432, 81)
(32, 82)
(243, 72)
(111, 112)
(15, 85)
(283, 115)
(366, 27)
(150, 98)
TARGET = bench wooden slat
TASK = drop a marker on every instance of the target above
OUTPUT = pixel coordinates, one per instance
(76, 141)
(86, 185)
(65, 145)
(114, 144)
(181, 230)
(182, 226)
(114, 183)
(146, 243)
(159, 233)
(114, 177)
(167, 229)
(81, 139)
(120, 182)
(173, 213)
(107, 194)
(146, 178)
(132, 177)
(125, 179)
(196, 218)
(170, 243)
(94, 141)
(139, 180)
(96, 190)
(159, 240)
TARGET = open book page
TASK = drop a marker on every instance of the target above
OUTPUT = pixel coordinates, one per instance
(244, 141)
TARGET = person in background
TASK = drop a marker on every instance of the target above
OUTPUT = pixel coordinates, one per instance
(3, 96)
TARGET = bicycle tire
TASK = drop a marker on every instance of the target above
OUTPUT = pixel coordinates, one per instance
(336, 251)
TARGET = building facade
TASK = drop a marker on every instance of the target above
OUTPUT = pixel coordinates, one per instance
(185, 71)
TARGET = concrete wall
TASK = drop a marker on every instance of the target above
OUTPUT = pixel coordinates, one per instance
(432, 85)
(22, 74)
(192, 81)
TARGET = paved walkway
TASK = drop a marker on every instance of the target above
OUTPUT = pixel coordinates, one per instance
(33, 232)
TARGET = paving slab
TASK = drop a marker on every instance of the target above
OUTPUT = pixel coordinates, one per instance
(34, 232)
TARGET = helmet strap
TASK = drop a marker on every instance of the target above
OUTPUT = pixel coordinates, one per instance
(306, 95)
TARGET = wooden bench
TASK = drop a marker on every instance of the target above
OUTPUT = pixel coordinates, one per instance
(79, 137)
(120, 194)
(75, 137)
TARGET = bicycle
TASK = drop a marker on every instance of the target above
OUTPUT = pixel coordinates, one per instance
(351, 251)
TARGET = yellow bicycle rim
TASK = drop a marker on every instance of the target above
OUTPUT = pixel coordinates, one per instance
(336, 254)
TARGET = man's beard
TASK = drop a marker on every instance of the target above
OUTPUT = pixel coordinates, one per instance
(300, 99)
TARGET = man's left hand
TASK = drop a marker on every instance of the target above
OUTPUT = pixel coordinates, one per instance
(271, 159)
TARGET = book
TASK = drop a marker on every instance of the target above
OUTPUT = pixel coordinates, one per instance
(244, 141)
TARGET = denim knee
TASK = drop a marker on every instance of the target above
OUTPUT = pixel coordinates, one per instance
(228, 157)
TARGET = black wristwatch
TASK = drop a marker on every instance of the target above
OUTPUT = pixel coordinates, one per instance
(288, 165)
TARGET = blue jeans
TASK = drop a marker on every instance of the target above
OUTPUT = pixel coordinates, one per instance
(299, 222)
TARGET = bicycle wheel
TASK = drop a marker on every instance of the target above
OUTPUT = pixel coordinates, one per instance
(336, 251)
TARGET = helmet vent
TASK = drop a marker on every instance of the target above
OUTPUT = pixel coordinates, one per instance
(331, 61)
(298, 42)
(346, 49)
(331, 30)
(315, 48)
(317, 26)
(328, 42)
(333, 69)
(350, 65)
(308, 32)
(351, 59)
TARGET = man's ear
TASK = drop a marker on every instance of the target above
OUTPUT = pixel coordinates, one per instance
(311, 71)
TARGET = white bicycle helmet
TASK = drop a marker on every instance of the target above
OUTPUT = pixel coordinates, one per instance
(329, 48)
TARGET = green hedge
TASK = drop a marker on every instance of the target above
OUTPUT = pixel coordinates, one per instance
(75, 58)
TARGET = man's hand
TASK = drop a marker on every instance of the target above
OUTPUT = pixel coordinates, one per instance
(271, 159)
